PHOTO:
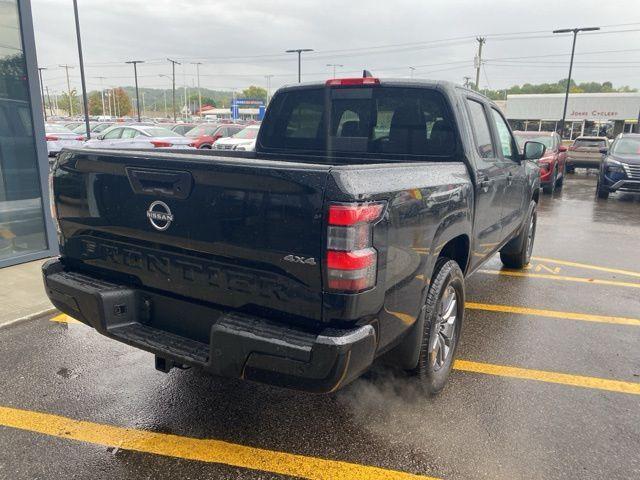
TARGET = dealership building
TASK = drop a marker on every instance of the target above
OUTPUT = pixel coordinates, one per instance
(587, 113)
(26, 228)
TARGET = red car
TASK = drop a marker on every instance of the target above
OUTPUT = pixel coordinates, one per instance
(204, 136)
(553, 165)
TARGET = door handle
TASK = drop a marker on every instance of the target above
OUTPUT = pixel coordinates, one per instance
(509, 178)
(485, 183)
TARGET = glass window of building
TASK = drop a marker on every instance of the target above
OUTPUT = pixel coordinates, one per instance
(22, 225)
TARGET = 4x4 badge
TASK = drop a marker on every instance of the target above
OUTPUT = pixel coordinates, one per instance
(303, 260)
(160, 216)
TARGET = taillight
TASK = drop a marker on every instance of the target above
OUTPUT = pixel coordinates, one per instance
(51, 138)
(347, 82)
(160, 144)
(351, 259)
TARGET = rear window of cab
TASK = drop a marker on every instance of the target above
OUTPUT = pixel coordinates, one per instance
(386, 122)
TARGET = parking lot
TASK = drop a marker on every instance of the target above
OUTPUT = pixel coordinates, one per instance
(547, 385)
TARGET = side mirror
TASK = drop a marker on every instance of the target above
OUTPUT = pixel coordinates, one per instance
(534, 150)
(562, 148)
(100, 137)
(604, 150)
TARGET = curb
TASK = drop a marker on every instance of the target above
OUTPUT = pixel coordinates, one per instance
(31, 316)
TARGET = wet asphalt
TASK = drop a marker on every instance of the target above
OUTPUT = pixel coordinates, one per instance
(481, 426)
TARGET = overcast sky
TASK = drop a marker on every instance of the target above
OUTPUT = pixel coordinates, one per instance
(239, 42)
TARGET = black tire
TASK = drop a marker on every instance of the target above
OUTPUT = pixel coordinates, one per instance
(435, 361)
(205, 147)
(560, 181)
(601, 193)
(549, 189)
(517, 253)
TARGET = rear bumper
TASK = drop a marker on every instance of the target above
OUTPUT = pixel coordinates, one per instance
(584, 162)
(238, 346)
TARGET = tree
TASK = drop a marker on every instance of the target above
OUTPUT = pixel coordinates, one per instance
(559, 87)
(122, 102)
(253, 92)
(95, 103)
(63, 102)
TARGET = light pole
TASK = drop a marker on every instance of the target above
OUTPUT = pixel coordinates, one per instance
(412, 69)
(166, 112)
(197, 64)
(135, 74)
(334, 65)
(85, 100)
(268, 77)
(173, 85)
(67, 67)
(44, 104)
(575, 32)
(299, 52)
(104, 112)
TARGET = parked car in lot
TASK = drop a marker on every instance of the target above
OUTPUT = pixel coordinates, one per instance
(181, 128)
(585, 153)
(553, 164)
(138, 136)
(59, 137)
(244, 140)
(346, 235)
(620, 169)
(96, 127)
(205, 135)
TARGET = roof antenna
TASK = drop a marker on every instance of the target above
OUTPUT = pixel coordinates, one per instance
(366, 74)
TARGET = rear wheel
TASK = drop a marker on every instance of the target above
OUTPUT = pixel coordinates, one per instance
(549, 189)
(560, 181)
(443, 311)
(601, 193)
(517, 253)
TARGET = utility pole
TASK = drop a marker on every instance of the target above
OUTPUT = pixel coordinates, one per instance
(104, 112)
(299, 52)
(411, 70)
(575, 32)
(481, 41)
(135, 74)
(334, 65)
(197, 64)
(85, 100)
(49, 101)
(268, 77)
(173, 87)
(67, 67)
(44, 104)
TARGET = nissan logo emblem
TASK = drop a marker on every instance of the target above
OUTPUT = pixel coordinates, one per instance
(160, 216)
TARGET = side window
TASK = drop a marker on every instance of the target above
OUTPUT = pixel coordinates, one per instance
(113, 134)
(129, 133)
(506, 140)
(481, 129)
(304, 121)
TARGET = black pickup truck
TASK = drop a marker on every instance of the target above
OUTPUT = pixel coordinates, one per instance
(347, 235)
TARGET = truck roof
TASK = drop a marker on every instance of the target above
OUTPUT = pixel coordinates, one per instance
(394, 82)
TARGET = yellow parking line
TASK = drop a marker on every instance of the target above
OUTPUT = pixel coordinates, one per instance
(563, 278)
(63, 318)
(550, 377)
(588, 266)
(203, 450)
(585, 317)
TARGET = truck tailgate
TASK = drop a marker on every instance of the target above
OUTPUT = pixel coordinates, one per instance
(241, 233)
